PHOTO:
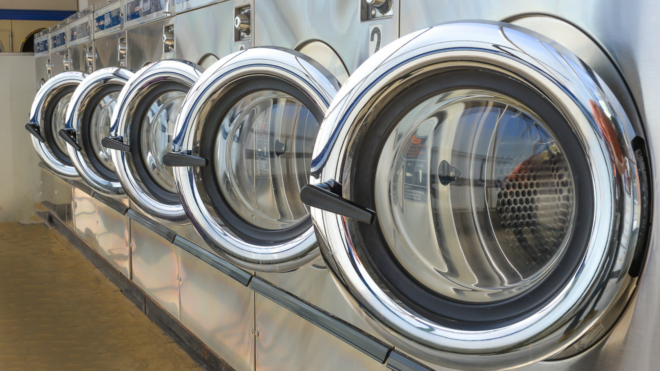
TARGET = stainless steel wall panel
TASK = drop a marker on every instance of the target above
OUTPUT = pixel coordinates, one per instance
(42, 72)
(105, 51)
(219, 310)
(204, 31)
(57, 61)
(155, 267)
(85, 216)
(144, 44)
(286, 341)
(317, 287)
(58, 196)
(219, 264)
(288, 23)
(78, 54)
(113, 236)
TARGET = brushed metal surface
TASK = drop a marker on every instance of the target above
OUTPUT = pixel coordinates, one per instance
(317, 287)
(369, 345)
(219, 310)
(42, 73)
(57, 61)
(105, 51)
(214, 261)
(59, 194)
(78, 56)
(85, 216)
(206, 31)
(155, 267)
(331, 21)
(113, 238)
(286, 341)
(145, 43)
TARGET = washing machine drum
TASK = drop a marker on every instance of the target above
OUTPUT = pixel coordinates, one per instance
(478, 196)
(48, 117)
(243, 144)
(142, 132)
(88, 121)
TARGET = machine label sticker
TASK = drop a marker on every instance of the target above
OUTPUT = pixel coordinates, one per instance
(80, 31)
(41, 46)
(133, 10)
(58, 40)
(108, 20)
(375, 37)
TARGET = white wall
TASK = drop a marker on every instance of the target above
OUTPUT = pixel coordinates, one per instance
(20, 177)
(82, 4)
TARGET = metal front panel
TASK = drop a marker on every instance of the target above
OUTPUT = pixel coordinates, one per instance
(78, 56)
(332, 21)
(218, 310)
(42, 72)
(57, 61)
(186, 5)
(58, 193)
(204, 31)
(316, 286)
(188, 232)
(105, 51)
(108, 20)
(145, 44)
(114, 238)
(286, 341)
(84, 216)
(155, 267)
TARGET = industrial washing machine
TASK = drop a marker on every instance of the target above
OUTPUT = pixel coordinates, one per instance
(482, 190)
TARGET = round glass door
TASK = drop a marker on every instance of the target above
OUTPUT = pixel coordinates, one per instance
(466, 197)
(254, 124)
(90, 115)
(48, 117)
(145, 120)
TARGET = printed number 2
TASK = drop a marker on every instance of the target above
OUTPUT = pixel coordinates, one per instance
(375, 36)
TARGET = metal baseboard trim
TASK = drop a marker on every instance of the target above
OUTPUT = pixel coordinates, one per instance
(83, 187)
(223, 266)
(359, 339)
(112, 203)
(190, 343)
(400, 362)
(162, 231)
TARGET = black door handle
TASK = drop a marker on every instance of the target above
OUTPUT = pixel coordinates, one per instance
(326, 196)
(69, 135)
(115, 143)
(180, 159)
(34, 130)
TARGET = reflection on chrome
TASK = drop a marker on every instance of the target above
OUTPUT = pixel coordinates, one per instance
(156, 137)
(474, 196)
(99, 128)
(265, 164)
(58, 121)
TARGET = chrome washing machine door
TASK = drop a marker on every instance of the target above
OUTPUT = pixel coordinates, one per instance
(480, 197)
(243, 148)
(48, 117)
(142, 131)
(88, 122)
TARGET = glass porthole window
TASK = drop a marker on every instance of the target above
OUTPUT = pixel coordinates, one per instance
(143, 135)
(156, 137)
(99, 128)
(263, 154)
(475, 196)
(59, 120)
(244, 141)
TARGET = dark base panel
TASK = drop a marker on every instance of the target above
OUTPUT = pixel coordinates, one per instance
(190, 343)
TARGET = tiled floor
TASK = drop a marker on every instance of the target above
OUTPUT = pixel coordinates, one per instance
(58, 312)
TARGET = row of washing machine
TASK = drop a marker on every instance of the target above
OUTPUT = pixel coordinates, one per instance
(479, 192)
